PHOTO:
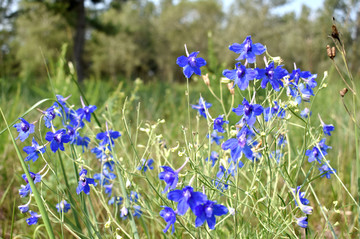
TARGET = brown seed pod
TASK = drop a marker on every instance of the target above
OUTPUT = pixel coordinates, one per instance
(333, 52)
(231, 88)
(343, 92)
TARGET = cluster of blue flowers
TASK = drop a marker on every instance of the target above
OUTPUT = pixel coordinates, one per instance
(299, 87)
(72, 121)
(201, 207)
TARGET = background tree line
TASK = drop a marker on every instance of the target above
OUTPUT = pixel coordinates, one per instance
(128, 39)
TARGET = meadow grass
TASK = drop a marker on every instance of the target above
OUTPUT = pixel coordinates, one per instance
(137, 109)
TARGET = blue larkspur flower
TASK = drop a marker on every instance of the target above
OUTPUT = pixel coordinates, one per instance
(207, 212)
(317, 153)
(240, 144)
(240, 75)
(302, 222)
(305, 113)
(325, 170)
(25, 129)
(102, 152)
(214, 156)
(137, 211)
(108, 136)
(301, 201)
(57, 139)
(63, 206)
(274, 111)
(186, 198)
(218, 124)
(306, 92)
(49, 115)
(170, 218)
(191, 64)
(33, 219)
(84, 183)
(134, 196)
(297, 74)
(33, 151)
(327, 128)
(214, 137)
(83, 142)
(118, 200)
(24, 190)
(24, 208)
(247, 50)
(86, 112)
(106, 173)
(221, 181)
(145, 164)
(202, 106)
(248, 111)
(272, 75)
(170, 177)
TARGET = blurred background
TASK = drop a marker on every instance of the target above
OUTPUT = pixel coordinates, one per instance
(113, 40)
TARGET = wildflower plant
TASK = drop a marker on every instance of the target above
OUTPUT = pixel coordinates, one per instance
(235, 173)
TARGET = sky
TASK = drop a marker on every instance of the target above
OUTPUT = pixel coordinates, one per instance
(292, 6)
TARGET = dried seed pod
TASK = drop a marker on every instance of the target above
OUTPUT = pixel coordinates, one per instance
(333, 52)
(231, 88)
(206, 79)
(343, 92)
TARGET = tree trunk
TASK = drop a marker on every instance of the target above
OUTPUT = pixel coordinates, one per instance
(79, 39)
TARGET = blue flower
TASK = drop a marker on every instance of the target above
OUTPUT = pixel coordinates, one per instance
(57, 139)
(305, 113)
(145, 164)
(306, 92)
(241, 75)
(72, 134)
(170, 177)
(191, 64)
(83, 141)
(240, 145)
(215, 138)
(299, 196)
(186, 198)
(49, 115)
(86, 111)
(108, 136)
(117, 200)
(327, 128)
(274, 111)
(207, 212)
(214, 156)
(201, 107)
(108, 189)
(84, 183)
(102, 152)
(317, 153)
(63, 206)
(325, 170)
(134, 196)
(221, 181)
(247, 50)
(24, 208)
(297, 74)
(281, 140)
(248, 111)
(137, 211)
(272, 75)
(24, 190)
(33, 219)
(106, 174)
(25, 129)
(218, 124)
(170, 218)
(33, 151)
(76, 118)
(34, 176)
(302, 222)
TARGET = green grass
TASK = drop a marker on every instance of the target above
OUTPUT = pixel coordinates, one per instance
(148, 102)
